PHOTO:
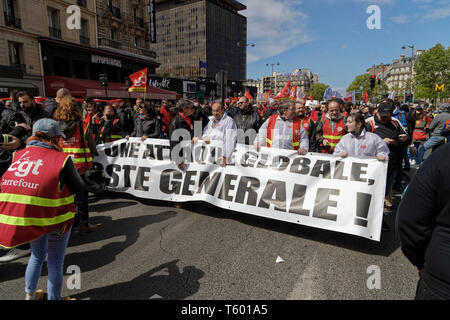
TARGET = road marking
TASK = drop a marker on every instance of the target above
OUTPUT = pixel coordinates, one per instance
(306, 286)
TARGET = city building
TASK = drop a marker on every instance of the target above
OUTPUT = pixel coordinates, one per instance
(199, 38)
(46, 52)
(302, 78)
(254, 87)
(113, 42)
(398, 74)
(20, 63)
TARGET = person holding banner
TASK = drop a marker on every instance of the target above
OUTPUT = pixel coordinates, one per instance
(358, 142)
(283, 131)
(222, 128)
(247, 118)
(146, 124)
(181, 129)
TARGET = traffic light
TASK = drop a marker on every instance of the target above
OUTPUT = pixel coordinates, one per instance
(104, 80)
(407, 97)
(372, 82)
(379, 81)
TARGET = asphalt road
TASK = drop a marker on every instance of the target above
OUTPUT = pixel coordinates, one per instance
(147, 248)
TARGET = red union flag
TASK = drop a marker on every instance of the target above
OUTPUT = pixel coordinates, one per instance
(248, 96)
(293, 94)
(284, 94)
(366, 97)
(139, 80)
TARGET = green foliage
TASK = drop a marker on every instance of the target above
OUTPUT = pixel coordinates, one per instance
(433, 67)
(318, 89)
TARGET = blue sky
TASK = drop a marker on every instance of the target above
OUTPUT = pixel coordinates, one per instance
(331, 38)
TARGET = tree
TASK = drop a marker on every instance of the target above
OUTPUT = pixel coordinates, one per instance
(318, 89)
(433, 68)
(363, 80)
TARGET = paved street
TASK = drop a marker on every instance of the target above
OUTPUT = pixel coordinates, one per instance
(145, 248)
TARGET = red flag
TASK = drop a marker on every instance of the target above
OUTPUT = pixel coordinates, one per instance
(285, 92)
(365, 97)
(293, 94)
(139, 80)
(310, 97)
(248, 95)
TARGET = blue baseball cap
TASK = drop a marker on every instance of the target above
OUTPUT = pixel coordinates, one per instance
(49, 127)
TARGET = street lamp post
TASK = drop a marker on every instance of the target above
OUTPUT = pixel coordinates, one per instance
(274, 64)
(412, 66)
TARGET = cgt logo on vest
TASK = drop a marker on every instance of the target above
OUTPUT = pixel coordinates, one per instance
(24, 166)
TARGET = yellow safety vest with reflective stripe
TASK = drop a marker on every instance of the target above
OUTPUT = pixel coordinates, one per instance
(82, 157)
(32, 201)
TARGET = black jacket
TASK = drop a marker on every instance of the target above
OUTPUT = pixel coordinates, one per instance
(391, 130)
(248, 119)
(179, 123)
(150, 127)
(423, 222)
(126, 119)
(108, 127)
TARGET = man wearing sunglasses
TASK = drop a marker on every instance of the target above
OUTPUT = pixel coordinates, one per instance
(247, 118)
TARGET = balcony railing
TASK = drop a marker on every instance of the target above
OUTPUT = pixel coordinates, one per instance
(119, 45)
(115, 12)
(21, 67)
(84, 40)
(11, 21)
(54, 32)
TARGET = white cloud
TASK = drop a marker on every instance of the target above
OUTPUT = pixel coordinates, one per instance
(376, 1)
(439, 13)
(400, 19)
(274, 26)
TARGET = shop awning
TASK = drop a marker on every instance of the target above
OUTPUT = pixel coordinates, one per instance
(92, 88)
(8, 84)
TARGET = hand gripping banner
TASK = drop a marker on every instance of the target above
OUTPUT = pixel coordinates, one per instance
(316, 190)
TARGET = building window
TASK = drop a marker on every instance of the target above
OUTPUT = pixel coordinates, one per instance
(53, 23)
(9, 11)
(84, 32)
(15, 53)
(136, 42)
(111, 34)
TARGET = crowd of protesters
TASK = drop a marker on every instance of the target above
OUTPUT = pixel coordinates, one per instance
(390, 131)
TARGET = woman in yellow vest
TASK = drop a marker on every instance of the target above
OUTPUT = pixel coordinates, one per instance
(79, 144)
(37, 206)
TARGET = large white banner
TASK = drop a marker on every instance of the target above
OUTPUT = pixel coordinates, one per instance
(316, 190)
